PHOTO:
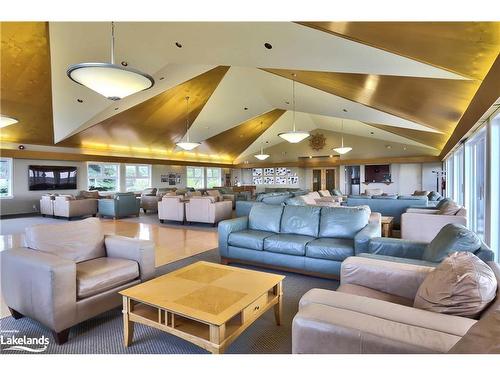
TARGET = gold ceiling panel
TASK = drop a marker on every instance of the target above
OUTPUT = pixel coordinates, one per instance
(25, 82)
(234, 141)
(465, 48)
(155, 124)
(436, 140)
(435, 103)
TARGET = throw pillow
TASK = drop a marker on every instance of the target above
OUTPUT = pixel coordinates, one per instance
(461, 285)
(449, 208)
(434, 196)
(421, 193)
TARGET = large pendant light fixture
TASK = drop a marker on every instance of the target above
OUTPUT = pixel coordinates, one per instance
(262, 156)
(6, 121)
(294, 136)
(113, 81)
(187, 146)
(342, 149)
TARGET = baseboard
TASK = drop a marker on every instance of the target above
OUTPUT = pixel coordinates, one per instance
(15, 216)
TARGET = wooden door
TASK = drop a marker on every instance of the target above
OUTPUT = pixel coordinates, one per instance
(330, 179)
(316, 179)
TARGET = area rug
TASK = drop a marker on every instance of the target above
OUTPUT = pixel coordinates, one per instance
(104, 333)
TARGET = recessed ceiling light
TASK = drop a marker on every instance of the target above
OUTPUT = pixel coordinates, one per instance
(246, 108)
(116, 109)
(124, 63)
(388, 147)
(310, 157)
(79, 100)
(372, 133)
(162, 78)
(405, 148)
(178, 45)
(268, 45)
(345, 110)
(287, 102)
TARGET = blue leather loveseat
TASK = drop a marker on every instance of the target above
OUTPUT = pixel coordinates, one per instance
(306, 239)
(279, 197)
(388, 205)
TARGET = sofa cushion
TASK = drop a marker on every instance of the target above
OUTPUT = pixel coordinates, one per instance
(449, 208)
(292, 244)
(99, 275)
(330, 248)
(77, 241)
(342, 222)
(385, 197)
(249, 239)
(451, 238)
(461, 285)
(300, 220)
(434, 196)
(413, 197)
(265, 217)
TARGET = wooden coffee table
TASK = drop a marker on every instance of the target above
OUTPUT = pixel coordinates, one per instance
(387, 224)
(207, 304)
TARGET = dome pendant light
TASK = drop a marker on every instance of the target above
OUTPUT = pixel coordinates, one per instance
(262, 156)
(342, 150)
(113, 81)
(187, 146)
(294, 136)
(6, 121)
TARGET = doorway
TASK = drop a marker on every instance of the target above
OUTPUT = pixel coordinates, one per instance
(330, 179)
(316, 179)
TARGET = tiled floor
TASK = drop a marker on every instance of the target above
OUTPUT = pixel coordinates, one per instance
(173, 242)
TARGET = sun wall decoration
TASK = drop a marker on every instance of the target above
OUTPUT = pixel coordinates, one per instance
(317, 141)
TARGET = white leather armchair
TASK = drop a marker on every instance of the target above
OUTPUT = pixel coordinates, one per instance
(68, 207)
(424, 224)
(208, 210)
(47, 205)
(171, 208)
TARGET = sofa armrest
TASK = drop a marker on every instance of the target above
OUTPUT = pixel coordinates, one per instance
(397, 248)
(420, 210)
(142, 251)
(40, 285)
(363, 237)
(400, 279)
(226, 227)
(333, 322)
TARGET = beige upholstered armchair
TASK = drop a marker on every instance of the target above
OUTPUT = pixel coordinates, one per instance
(372, 312)
(47, 205)
(208, 210)
(424, 224)
(226, 197)
(149, 200)
(171, 208)
(71, 272)
(69, 207)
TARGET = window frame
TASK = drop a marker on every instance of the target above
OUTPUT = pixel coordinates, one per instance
(219, 178)
(150, 169)
(10, 187)
(202, 178)
(117, 178)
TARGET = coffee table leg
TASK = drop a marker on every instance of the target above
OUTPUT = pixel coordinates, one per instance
(128, 326)
(278, 308)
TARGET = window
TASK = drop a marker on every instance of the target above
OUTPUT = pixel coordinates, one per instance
(5, 177)
(137, 177)
(213, 177)
(475, 179)
(195, 177)
(458, 175)
(103, 176)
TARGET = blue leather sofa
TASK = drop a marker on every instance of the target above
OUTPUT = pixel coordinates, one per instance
(123, 204)
(306, 239)
(243, 207)
(451, 238)
(389, 205)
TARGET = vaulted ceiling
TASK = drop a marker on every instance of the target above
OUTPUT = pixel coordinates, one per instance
(405, 83)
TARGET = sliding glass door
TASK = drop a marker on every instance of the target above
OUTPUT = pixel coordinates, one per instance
(475, 180)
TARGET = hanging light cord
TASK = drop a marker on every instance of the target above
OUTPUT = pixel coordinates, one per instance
(293, 100)
(112, 42)
(187, 118)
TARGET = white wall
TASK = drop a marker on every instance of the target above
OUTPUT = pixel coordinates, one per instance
(158, 170)
(429, 178)
(25, 201)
